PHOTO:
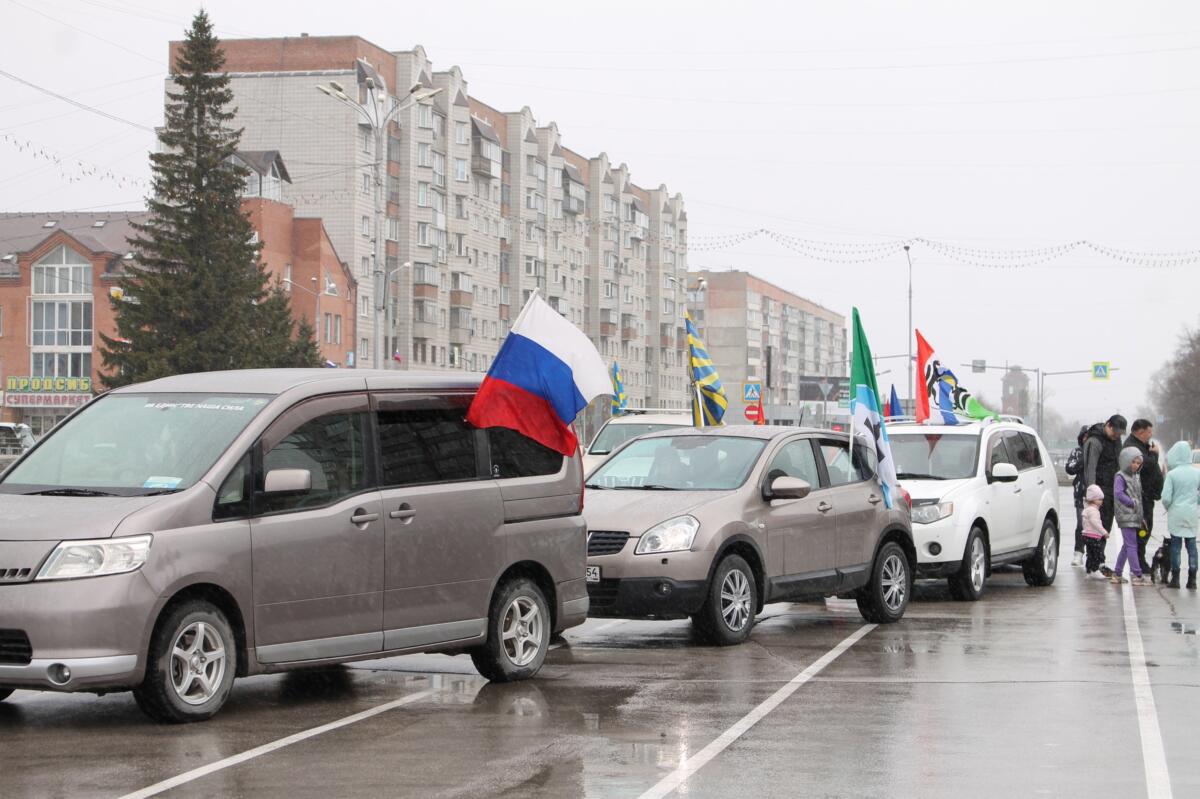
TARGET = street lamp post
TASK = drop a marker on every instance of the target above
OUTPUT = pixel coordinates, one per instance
(908, 336)
(378, 112)
(389, 321)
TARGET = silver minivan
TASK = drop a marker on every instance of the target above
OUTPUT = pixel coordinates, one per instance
(173, 535)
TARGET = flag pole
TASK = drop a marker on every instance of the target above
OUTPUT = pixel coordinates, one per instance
(850, 377)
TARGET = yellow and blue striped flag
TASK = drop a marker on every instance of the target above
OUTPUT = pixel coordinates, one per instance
(619, 400)
(708, 396)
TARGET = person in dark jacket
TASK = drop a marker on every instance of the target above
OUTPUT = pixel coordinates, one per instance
(1100, 453)
(1151, 476)
(1074, 467)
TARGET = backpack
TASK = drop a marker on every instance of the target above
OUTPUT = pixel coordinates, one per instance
(1074, 463)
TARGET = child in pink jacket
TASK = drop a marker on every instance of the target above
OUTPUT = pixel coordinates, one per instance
(1094, 535)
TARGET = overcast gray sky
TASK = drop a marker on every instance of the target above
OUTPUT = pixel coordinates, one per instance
(1029, 125)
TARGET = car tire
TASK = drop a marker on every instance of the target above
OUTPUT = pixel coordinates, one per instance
(5, 693)
(885, 597)
(969, 583)
(518, 633)
(190, 666)
(727, 615)
(1042, 567)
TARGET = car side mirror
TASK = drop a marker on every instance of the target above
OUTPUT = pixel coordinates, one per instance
(1003, 473)
(788, 488)
(282, 482)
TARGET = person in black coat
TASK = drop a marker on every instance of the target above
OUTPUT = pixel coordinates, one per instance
(1100, 460)
(1074, 468)
(1151, 476)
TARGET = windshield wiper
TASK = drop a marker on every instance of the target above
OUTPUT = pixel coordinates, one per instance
(70, 492)
(160, 491)
(595, 486)
(656, 487)
(916, 476)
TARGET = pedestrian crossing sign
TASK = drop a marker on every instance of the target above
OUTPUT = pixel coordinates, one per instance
(1100, 370)
(751, 392)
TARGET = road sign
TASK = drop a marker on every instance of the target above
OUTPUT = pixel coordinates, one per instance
(1100, 369)
(978, 367)
(751, 392)
(751, 413)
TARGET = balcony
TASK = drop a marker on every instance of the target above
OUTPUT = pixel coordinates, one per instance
(461, 299)
(504, 312)
(572, 205)
(460, 335)
(608, 328)
(482, 165)
(629, 333)
(427, 330)
(424, 291)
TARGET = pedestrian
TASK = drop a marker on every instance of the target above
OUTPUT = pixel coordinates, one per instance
(1074, 467)
(1094, 535)
(1151, 475)
(1127, 491)
(1179, 497)
(1100, 464)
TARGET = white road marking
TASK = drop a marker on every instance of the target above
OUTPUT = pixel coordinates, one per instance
(693, 764)
(259, 751)
(1154, 758)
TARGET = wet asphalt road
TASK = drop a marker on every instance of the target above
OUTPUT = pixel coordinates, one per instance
(1028, 692)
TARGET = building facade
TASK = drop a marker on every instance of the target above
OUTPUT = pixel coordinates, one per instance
(58, 272)
(756, 332)
(481, 207)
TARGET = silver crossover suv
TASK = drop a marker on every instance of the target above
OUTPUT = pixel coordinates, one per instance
(715, 523)
(172, 535)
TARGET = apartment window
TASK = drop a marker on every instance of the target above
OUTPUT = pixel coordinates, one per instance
(439, 126)
(337, 329)
(62, 271)
(460, 206)
(610, 204)
(439, 169)
(364, 306)
(610, 289)
(364, 266)
(328, 328)
(365, 184)
(461, 281)
(668, 306)
(364, 137)
(460, 244)
(423, 195)
(423, 233)
(393, 229)
(363, 352)
(456, 354)
(462, 133)
(393, 148)
(365, 226)
(461, 173)
(424, 116)
(424, 274)
(424, 154)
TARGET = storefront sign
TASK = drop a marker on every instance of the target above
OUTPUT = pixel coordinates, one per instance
(50, 385)
(46, 392)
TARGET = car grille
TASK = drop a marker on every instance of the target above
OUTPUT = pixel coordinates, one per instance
(14, 575)
(605, 542)
(15, 648)
(603, 594)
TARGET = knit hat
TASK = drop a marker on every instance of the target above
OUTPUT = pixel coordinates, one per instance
(1094, 492)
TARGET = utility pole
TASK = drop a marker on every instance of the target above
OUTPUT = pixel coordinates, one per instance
(908, 334)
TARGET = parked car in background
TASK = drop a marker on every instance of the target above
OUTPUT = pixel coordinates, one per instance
(715, 523)
(175, 534)
(984, 493)
(15, 438)
(631, 424)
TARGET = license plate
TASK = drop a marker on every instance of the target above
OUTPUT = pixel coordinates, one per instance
(593, 574)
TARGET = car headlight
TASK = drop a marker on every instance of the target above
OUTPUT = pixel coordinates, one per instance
(931, 512)
(672, 535)
(72, 559)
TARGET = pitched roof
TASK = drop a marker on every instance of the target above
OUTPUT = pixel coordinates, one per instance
(573, 172)
(484, 129)
(260, 162)
(24, 232)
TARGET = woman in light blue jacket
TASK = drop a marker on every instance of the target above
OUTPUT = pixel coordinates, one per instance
(1179, 497)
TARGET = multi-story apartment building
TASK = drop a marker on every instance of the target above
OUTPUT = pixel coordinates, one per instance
(758, 332)
(482, 207)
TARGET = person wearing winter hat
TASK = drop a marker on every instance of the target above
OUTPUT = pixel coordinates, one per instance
(1094, 534)
(1179, 498)
(1074, 468)
(1127, 491)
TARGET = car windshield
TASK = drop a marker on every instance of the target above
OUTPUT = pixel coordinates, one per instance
(680, 463)
(134, 445)
(614, 435)
(932, 456)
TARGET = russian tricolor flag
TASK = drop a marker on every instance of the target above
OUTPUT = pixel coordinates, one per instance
(546, 372)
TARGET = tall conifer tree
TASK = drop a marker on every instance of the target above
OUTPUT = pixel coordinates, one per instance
(198, 298)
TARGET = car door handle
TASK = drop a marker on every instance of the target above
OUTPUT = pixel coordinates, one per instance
(1016, 491)
(824, 507)
(362, 517)
(405, 511)
(874, 499)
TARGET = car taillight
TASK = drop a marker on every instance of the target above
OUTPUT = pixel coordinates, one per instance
(907, 497)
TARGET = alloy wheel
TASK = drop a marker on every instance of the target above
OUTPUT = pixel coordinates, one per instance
(522, 634)
(197, 663)
(894, 582)
(735, 600)
(978, 565)
(1050, 552)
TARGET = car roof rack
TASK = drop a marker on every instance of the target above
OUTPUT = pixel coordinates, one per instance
(641, 411)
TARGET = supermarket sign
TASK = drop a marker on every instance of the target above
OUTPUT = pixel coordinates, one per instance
(47, 392)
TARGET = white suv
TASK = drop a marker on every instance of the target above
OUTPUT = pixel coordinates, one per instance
(631, 424)
(983, 493)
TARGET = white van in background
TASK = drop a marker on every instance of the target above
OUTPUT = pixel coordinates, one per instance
(631, 424)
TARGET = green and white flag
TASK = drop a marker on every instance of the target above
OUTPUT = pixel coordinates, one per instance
(866, 417)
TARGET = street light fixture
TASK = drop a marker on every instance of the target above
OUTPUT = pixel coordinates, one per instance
(317, 315)
(377, 113)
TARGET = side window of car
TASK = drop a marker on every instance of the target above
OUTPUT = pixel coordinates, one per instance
(233, 497)
(332, 448)
(835, 454)
(426, 441)
(514, 455)
(996, 452)
(1018, 449)
(795, 459)
(1031, 444)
